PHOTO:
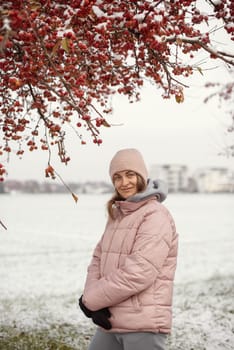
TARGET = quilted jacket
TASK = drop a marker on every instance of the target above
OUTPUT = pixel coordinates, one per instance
(133, 266)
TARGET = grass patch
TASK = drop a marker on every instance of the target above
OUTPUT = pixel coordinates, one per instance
(54, 338)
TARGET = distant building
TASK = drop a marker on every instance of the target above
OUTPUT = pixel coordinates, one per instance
(175, 175)
(192, 185)
(31, 186)
(95, 188)
(214, 179)
(13, 186)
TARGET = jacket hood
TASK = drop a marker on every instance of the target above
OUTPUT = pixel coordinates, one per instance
(155, 188)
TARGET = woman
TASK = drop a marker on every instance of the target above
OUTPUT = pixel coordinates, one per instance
(129, 284)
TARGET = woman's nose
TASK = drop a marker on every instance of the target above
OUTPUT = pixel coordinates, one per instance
(125, 180)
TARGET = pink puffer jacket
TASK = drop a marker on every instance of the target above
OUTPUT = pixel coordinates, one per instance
(133, 267)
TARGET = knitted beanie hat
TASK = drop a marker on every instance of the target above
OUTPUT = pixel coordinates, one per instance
(128, 159)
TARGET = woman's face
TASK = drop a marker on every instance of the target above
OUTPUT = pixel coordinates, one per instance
(125, 183)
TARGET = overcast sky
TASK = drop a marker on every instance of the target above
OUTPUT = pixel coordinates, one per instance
(191, 133)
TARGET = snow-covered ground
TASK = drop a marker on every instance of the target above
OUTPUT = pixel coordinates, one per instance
(46, 249)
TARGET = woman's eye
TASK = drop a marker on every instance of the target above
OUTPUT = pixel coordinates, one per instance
(131, 174)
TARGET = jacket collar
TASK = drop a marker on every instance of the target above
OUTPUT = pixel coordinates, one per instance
(126, 207)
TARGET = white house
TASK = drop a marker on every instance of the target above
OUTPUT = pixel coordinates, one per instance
(175, 175)
(214, 179)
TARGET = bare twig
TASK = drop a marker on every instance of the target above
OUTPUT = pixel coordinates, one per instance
(75, 197)
(1, 223)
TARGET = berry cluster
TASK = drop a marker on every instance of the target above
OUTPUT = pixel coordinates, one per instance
(61, 62)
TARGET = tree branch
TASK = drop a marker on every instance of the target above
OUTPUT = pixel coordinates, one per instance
(219, 54)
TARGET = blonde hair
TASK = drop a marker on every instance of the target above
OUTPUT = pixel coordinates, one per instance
(141, 185)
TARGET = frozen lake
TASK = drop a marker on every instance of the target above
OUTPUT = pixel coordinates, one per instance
(49, 240)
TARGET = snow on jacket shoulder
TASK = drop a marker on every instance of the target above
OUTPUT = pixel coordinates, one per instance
(133, 266)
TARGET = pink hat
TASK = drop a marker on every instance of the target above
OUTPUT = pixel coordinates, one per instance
(128, 159)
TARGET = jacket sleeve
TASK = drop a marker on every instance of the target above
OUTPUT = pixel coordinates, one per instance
(140, 268)
(93, 273)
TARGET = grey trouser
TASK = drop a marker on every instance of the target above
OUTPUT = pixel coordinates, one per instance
(127, 341)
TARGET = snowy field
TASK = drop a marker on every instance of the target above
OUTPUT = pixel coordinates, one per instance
(47, 247)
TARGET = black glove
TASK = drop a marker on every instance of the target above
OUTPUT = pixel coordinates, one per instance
(85, 310)
(100, 318)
